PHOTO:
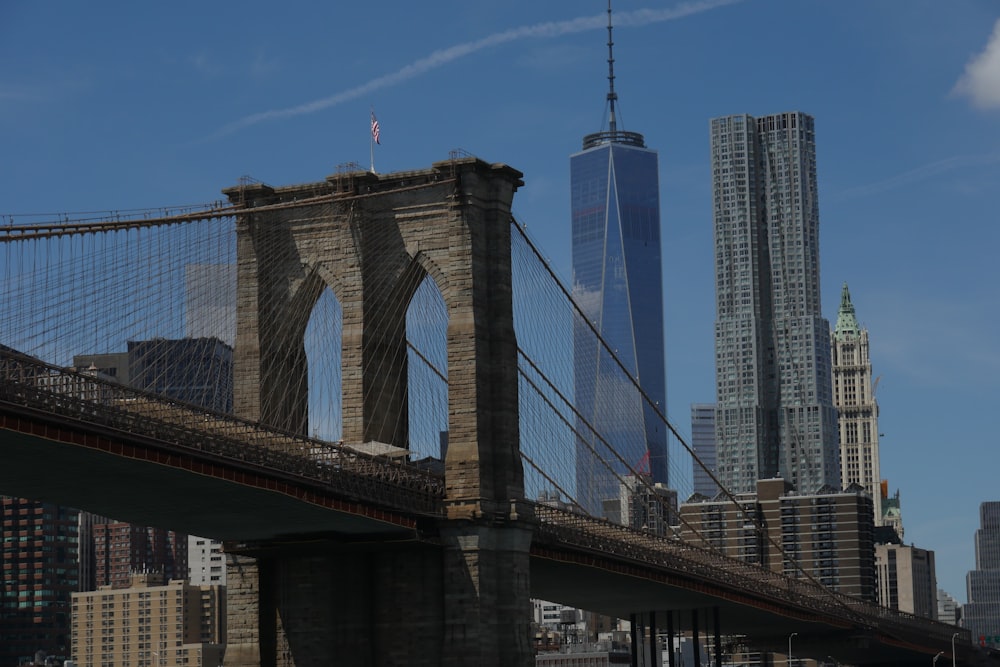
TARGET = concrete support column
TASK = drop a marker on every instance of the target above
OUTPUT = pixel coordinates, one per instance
(483, 467)
(486, 595)
(249, 627)
(353, 608)
(270, 371)
(384, 363)
(305, 598)
(374, 370)
(246, 361)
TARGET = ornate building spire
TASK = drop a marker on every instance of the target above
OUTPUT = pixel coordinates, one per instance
(854, 398)
(847, 322)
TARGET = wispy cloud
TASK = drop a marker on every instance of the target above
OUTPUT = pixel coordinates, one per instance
(442, 57)
(981, 80)
(918, 174)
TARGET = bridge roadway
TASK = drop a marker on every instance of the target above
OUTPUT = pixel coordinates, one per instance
(74, 440)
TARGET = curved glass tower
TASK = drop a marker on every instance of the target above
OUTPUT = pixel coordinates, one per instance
(617, 280)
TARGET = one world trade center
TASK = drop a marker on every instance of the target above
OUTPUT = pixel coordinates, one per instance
(617, 282)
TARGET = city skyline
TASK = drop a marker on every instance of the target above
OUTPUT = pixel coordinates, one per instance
(151, 107)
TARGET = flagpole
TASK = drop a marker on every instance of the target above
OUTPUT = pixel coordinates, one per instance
(371, 140)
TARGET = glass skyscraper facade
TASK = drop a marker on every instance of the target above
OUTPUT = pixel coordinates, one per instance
(775, 414)
(703, 444)
(617, 281)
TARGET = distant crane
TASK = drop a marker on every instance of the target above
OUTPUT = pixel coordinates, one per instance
(874, 389)
(642, 466)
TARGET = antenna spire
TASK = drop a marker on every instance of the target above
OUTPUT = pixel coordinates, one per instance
(613, 135)
(612, 96)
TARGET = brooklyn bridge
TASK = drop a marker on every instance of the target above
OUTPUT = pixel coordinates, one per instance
(391, 449)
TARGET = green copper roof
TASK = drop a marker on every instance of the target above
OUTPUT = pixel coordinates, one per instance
(847, 323)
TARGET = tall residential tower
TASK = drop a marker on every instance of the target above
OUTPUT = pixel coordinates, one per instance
(775, 415)
(617, 280)
(38, 574)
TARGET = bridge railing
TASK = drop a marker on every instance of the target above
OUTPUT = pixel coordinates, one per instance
(101, 405)
(606, 538)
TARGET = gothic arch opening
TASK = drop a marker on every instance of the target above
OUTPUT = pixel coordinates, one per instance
(323, 339)
(427, 371)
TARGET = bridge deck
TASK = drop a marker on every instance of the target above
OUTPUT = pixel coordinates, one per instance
(122, 453)
(627, 570)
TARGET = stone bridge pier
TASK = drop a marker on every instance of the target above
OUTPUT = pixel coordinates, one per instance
(460, 594)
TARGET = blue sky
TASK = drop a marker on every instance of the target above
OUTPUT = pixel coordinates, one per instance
(152, 104)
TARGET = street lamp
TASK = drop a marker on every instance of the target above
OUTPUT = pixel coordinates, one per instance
(790, 647)
(953, 649)
(934, 661)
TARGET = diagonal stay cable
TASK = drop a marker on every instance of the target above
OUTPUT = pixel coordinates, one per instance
(749, 517)
(593, 430)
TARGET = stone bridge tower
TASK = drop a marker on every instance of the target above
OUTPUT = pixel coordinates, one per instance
(372, 239)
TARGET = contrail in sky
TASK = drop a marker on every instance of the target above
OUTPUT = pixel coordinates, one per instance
(639, 17)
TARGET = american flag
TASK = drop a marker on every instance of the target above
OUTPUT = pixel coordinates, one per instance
(375, 131)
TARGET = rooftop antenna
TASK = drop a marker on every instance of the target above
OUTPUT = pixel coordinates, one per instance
(612, 95)
(613, 134)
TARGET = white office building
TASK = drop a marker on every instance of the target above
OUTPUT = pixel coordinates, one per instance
(206, 561)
